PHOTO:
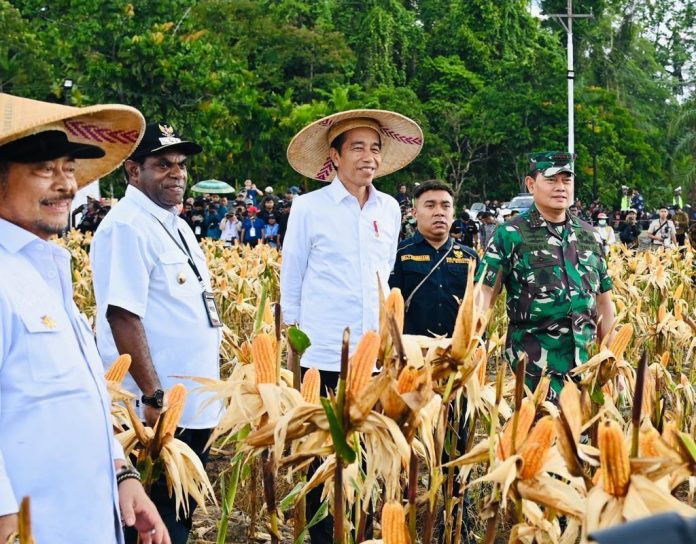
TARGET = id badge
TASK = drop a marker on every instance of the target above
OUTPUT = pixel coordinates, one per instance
(211, 309)
(252, 232)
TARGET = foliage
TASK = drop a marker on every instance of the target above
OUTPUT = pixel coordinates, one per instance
(485, 79)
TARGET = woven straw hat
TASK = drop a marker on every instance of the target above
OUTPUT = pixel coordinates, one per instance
(402, 140)
(114, 128)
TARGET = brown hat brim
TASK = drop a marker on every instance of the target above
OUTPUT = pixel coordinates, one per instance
(402, 141)
(114, 128)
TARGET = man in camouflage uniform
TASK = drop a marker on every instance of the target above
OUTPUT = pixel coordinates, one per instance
(553, 269)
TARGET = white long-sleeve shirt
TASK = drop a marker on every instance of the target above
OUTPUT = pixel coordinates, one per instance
(137, 266)
(333, 252)
(56, 441)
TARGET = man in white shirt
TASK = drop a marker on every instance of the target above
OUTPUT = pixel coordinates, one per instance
(662, 231)
(340, 238)
(154, 299)
(56, 441)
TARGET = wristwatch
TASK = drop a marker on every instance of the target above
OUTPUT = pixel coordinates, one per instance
(156, 400)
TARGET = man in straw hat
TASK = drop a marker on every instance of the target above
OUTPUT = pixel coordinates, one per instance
(340, 238)
(154, 299)
(56, 441)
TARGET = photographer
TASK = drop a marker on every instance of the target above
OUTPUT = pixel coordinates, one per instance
(231, 227)
(629, 231)
(662, 231)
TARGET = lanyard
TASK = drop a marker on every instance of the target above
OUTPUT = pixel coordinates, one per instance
(186, 252)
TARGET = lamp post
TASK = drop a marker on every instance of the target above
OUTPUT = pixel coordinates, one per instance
(595, 183)
(568, 26)
(67, 89)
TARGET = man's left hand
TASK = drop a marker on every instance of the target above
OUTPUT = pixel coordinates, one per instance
(138, 511)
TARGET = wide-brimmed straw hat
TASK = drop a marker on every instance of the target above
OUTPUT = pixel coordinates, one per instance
(114, 128)
(402, 140)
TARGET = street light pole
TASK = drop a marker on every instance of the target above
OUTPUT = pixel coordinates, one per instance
(568, 26)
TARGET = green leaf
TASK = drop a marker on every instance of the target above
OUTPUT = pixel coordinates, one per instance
(337, 435)
(289, 499)
(228, 494)
(689, 444)
(597, 397)
(298, 340)
(320, 514)
(262, 305)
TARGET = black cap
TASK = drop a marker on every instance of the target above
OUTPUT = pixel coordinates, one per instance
(159, 137)
(46, 146)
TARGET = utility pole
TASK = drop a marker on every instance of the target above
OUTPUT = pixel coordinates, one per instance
(566, 20)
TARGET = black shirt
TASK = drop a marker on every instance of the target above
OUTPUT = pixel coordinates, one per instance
(433, 309)
(467, 229)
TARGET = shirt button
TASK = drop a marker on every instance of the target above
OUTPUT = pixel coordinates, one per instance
(440, 286)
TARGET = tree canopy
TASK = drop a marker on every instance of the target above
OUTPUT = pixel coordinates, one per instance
(485, 79)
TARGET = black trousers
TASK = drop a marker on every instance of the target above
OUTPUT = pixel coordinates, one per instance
(166, 506)
(323, 532)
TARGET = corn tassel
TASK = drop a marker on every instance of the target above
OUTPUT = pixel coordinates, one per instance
(407, 380)
(621, 340)
(362, 363)
(536, 447)
(525, 418)
(394, 528)
(176, 398)
(311, 386)
(264, 358)
(613, 456)
(118, 369)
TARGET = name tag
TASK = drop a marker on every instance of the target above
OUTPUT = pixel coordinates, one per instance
(420, 258)
(252, 232)
(211, 309)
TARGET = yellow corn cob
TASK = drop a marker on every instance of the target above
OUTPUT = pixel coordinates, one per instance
(176, 398)
(407, 380)
(245, 353)
(537, 445)
(268, 317)
(613, 456)
(678, 292)
(621, 340)
(525, 418)
(264, 358)
(311, 386)
(118, 369)
(661, 312)
(639, 306)
(394, 528)
(670, 433)
(395, 305)
(664, 359)
(480, 357)
(678, 311)
(362, 363)
(569, 401)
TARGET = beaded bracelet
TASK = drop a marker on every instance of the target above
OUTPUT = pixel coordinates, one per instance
(127, 473)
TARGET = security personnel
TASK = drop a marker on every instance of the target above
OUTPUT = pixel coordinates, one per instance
(553, 268)
(431, 267)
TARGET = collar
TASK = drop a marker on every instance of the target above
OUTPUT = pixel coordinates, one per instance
(14, 239)
(536, 220)
(418, 238)
(141, 199)
(338, 191)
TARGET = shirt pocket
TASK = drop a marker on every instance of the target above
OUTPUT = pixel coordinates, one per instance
(178, 275)
(545, 275)
(47, 343)
(588, 267)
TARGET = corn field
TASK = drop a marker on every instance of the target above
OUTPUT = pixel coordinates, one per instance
(619, 444)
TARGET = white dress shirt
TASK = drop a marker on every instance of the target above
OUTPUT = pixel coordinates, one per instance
(333, 252)
(56, 441)
(139, 267)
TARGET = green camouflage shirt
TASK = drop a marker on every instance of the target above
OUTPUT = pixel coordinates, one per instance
(552, 276)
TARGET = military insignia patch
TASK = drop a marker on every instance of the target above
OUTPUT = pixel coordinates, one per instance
(48, 322)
